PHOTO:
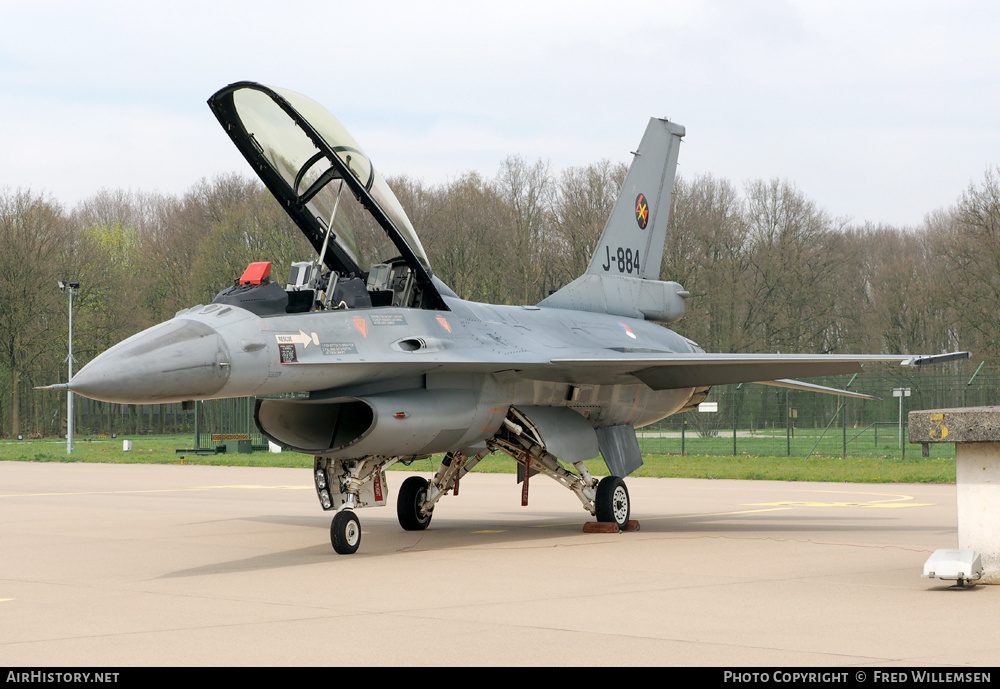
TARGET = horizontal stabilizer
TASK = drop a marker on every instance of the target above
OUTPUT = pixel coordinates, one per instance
(810, 387)
(622, 296)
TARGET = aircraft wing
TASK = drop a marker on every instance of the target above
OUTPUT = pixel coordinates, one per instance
(670, 371)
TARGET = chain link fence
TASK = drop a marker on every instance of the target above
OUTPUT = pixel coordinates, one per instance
(762, 420)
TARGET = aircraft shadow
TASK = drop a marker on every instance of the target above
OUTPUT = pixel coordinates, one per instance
(383, 537)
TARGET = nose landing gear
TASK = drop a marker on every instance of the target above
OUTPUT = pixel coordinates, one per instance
(345, 532)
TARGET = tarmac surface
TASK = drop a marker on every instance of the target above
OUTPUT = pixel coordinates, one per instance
(121, 565)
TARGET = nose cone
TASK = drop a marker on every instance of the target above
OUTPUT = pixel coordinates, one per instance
(171, 362)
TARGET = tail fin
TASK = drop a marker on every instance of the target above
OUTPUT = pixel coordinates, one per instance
(623, 275)
(632, 242)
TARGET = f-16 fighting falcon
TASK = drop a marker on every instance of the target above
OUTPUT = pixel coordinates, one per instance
(389, 365)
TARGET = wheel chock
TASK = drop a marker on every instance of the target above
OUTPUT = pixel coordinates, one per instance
(609, 527)
(600, 527)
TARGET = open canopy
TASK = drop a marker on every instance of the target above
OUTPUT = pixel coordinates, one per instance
(309, 161)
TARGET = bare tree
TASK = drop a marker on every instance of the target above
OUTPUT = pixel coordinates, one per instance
(254, 229)
(527, 192)
(463, 238)
(584, 200)
(706, 251)
(795, 251)
(32, 234)
(968, 238)
(173, 243)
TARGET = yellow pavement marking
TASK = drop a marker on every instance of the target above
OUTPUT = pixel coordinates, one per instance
(491, 531)
(718, 514)
(895, 502)
(891, 501)
(675, 516)
(879, 505)
(253, 487)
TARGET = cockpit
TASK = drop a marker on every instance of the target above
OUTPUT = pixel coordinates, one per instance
(388, 284)
(368, 254)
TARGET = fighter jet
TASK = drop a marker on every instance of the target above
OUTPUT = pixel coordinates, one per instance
(365, 359)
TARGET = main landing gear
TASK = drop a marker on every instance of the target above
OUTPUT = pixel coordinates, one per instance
(410, 504)
(611, 504)
(607, 499)
(417, 495)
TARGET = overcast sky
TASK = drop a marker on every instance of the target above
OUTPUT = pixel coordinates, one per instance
(878, 111)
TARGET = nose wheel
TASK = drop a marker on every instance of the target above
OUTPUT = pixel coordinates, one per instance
(345, 532)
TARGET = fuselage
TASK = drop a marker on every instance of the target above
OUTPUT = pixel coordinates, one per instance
(220, 350)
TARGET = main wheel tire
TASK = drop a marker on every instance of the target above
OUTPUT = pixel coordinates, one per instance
(411, 494)
(612, 501)
(345, 532)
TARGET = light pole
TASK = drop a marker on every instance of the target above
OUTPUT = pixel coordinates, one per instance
(901, 393)
(69, 288)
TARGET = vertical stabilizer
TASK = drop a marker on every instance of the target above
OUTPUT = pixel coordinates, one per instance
(632, 242)
(623, 275)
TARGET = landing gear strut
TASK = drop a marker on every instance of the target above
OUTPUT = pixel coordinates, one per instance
(417, 496)
(606, 499)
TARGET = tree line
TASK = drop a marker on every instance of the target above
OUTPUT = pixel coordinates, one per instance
(767, 269)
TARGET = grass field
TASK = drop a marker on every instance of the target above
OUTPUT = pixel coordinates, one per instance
(890, 468)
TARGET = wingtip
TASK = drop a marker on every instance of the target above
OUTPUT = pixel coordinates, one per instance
(917, 361)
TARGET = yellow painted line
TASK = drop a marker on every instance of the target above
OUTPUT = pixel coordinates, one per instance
(487, 531)
(897, 497)
(717, 514)
(251, 487)
(4, 600)
(676, 516)
(891, 501)
(878, 505)
(156, 490)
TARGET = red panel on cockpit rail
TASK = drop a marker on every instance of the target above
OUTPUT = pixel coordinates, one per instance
(256, 273)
